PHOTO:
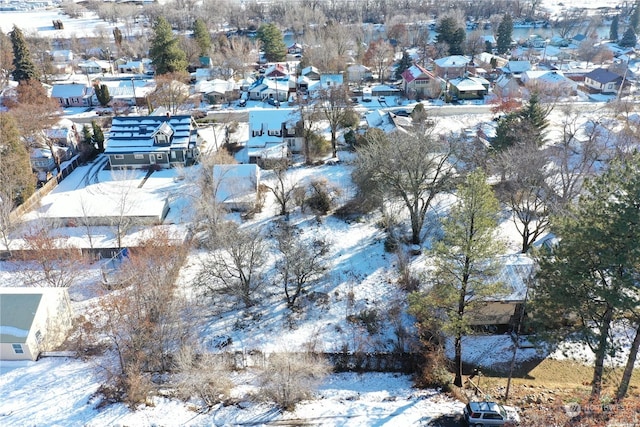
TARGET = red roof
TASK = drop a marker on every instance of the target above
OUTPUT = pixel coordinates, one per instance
(415, 72)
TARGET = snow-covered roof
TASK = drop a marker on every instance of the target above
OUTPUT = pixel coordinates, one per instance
(135, 133)
(72, 90)
(452, 61)
(469, 83)
(414, 72)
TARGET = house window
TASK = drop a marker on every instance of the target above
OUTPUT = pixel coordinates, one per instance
(173, 154)
(39, 336)
(17, 348)
(138, 156)
(274, 133)
(119, 157)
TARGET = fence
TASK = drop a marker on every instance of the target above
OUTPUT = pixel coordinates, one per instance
(342, 362)
(35, 198)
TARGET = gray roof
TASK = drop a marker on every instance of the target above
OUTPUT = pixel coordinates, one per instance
(17, 312)
(134, 134)
(601, 75)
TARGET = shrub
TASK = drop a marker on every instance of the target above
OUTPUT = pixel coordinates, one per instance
(319, 197)
(289, 378)
(202, 376)
(368, 318)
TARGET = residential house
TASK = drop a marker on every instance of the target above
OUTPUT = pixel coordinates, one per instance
(451, 67)
(218, 91)
(132, 67)
(505, 308)
(295, 49)
(516, 68)
(273, 133)
(277, 71)
(264, 89)
(549, 82)
(385, 90)
(507, 86)
(151, 141)
(73, 95)
(236, 186)
(417, 81)
(33, 320)
(357, 73)
(602, 81)
(489, 61)
(310, 72)
(468, 88)
(62, 61)
(95, 66)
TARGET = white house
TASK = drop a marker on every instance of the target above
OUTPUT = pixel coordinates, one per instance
(73, 95)
(32, 320)
(272, 135)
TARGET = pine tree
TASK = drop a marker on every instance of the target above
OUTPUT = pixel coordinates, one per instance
(102, 93)
(202, 37)
(589, 280)
(613, 29)
(98, 136)
(272, 43)
(537, 115)
(404, 64)
(87, 135)
(24, 69)
(465, 264)
(165, 53)
(505, 31)
(450, 33)
(629, 38)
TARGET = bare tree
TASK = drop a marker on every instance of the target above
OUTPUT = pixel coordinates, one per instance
(123, 200)
(50, 259)
(379, 56)
(236, 266)
(284, 189)
(412, 168)
(302, 261)
(575, 156)
(145, 323)
(333, 103)
(525, 190)
(172, 92)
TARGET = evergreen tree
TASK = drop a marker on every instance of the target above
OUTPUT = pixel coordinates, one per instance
(272, 43)
(488, 47)
(634, 19)
(628, 38)
(16, 177)
(505, 32)
(102, 93)
(98, 136)
(465, 264)
(404, 64)
(525, 125)
(450, 33)
(613, 29)
(590, 278)
(537, 115)
(24, 69)
(87, 135)
(165, 53)
(456, 46)
(202, 37)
